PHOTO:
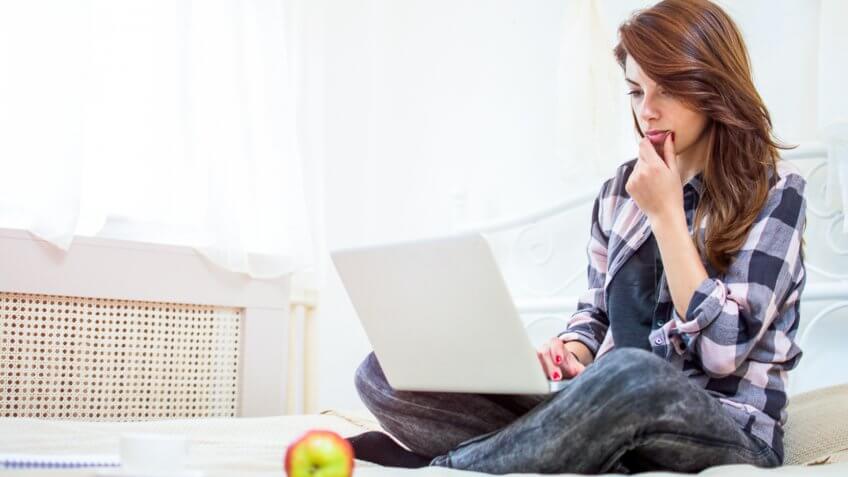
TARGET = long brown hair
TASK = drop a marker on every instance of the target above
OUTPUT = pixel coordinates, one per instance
(693, 50)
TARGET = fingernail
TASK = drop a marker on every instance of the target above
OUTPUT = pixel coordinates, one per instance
(559, 359)
(556, 375)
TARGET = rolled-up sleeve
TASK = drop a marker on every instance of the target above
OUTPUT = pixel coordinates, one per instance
(589, 323)
(754, 306)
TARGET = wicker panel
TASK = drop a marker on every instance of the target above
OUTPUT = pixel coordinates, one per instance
(102, 359)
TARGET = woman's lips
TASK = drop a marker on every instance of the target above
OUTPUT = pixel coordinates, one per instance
(657, 138)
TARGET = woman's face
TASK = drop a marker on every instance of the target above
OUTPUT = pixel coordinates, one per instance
(656, 110)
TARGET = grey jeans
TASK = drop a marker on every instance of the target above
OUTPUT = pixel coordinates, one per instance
(630, 411)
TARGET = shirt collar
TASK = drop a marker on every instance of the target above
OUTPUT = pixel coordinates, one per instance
(696, 183)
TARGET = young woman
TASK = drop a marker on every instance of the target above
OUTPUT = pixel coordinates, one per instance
(678, 352)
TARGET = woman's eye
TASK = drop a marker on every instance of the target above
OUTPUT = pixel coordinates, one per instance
(639, 93)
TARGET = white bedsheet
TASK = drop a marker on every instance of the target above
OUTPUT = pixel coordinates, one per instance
(255, 446)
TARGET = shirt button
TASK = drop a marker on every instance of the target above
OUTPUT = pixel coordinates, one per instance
(658, 341)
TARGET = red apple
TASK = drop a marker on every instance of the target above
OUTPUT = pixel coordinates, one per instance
(319, 453)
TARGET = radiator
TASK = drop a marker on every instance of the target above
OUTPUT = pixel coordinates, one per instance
(64, 357)
(126, 331)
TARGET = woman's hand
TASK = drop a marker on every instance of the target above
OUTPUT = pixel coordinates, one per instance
(557, 361)
(655, 182)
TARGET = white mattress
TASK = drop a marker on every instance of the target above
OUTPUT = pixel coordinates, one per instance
(255, 446)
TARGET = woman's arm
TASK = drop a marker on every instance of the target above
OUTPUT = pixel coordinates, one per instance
(588, 325)
(751, 312)
(680, 258)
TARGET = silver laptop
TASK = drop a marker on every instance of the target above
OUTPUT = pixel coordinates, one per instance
(440, 317)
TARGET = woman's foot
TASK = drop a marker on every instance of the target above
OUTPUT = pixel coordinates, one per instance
(380, 448)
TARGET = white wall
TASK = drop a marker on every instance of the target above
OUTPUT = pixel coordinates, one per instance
(400, 153)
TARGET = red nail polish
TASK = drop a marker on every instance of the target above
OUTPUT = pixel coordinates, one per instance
(556, 375)
(559, 359)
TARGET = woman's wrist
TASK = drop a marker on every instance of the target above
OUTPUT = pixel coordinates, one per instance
(575, 356)
(580, 351)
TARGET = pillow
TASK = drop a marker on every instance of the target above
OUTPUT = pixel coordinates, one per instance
(817, 426)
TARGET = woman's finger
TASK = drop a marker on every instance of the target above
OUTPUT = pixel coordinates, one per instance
(644, 150)
(648, 152)
(557, 348)
(551, 370)
(668, 152)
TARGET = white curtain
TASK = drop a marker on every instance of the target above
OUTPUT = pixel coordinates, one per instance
(833, 99)
(595, 131)
(480, 110)
(157, 120)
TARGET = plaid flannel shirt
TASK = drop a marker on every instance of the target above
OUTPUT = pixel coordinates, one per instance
(737, 338)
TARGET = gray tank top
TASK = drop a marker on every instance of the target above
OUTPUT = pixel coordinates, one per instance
(632, 295)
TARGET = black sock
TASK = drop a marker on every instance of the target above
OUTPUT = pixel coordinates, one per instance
(379, 448)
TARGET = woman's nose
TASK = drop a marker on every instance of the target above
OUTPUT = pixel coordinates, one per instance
(648, 112)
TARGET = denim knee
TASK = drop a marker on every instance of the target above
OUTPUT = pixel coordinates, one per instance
(636, 373)
(368, 376)
(630, 361)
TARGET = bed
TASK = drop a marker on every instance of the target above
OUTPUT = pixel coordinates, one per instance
(817, 440)
(112, 338)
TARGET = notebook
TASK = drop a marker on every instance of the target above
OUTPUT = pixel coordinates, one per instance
(58, 461)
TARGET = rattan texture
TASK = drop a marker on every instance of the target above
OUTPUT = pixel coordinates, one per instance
(98, 359)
